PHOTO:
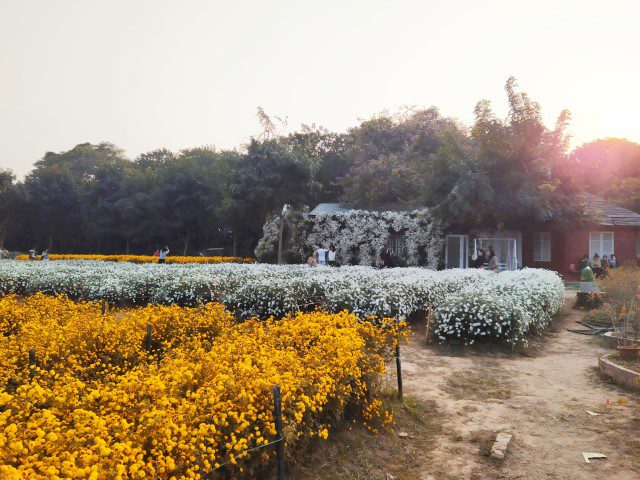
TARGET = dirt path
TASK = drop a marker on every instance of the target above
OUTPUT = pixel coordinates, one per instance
(541, 400)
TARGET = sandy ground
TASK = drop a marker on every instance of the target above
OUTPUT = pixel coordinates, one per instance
(541, 399)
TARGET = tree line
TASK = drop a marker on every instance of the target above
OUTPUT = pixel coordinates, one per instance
(93, 199)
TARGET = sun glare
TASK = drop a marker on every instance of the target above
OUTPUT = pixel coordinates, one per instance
(621, 121)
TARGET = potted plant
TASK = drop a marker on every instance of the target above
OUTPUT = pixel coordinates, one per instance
(629, 318)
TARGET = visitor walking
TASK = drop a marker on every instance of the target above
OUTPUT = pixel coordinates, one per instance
(45, 255)
(331, 255)
(312, 261)
(162, 258)
(322, 255)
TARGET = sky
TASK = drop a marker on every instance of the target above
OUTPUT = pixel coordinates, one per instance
(145, 74)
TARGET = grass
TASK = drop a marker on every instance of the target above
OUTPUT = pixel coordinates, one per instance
(633, 364)
(356, 454)
(482, 383)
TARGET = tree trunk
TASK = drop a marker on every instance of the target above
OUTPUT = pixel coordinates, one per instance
(50, 241)
(128, 242)
(2, 239)
(280, 232)
(235, 243)
(186, 242)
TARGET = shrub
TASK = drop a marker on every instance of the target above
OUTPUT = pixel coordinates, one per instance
(99, 406)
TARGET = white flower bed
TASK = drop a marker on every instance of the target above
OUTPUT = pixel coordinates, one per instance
(468, 303)
(506, 306)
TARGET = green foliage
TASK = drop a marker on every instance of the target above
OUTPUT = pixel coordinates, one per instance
(94, 199)
(609, 167)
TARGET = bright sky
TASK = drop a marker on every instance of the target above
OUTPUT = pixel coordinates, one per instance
(145, 74)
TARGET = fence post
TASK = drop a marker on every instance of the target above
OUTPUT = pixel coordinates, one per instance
(429, 318)
(148, 338)
(277, 415)
(399, 368)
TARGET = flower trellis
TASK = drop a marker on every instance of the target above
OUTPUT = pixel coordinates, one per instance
(359, 236)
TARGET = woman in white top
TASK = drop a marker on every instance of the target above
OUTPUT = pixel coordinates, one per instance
(163, 254)
(322, 255)
(331, 255)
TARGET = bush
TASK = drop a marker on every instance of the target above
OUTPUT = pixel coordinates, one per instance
(99, 406)
(505, 306)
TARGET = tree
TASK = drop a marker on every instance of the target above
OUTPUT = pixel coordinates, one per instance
(8, 193)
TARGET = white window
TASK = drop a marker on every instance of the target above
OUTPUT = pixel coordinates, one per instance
(600, 243)
(398, 245)
(542, 247)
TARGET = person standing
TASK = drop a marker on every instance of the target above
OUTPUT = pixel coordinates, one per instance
(312, 261)
(584, 262)
(45, 255)
(481, 260)
(322, 255)
(331, 255)
(32, 254)
(162, 258)
(493, 261)
(613, 262)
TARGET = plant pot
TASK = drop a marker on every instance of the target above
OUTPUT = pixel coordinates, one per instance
(629, 353)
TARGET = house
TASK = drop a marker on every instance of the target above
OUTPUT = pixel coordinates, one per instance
(613, 229)
(609, 229)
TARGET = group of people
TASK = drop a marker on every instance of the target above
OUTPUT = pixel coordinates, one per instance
(323, 256)
(596, 267)
(485, 259)
(34, 256)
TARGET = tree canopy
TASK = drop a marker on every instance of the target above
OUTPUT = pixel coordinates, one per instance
(495, 172)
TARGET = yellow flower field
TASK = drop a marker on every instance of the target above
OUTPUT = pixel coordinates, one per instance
(99, 405)
(142, 258)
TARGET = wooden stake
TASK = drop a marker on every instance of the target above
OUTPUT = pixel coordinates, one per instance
(277, 415)
(399, 368)
(429, 318)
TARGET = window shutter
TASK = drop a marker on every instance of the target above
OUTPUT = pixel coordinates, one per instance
(607, 243)
(542, 247)
(594, 244)
(546, 247)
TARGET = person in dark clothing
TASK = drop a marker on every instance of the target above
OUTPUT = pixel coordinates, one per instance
(385, 260)
(584, 262)
(481, 259)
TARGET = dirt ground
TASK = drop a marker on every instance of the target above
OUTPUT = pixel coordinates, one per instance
(456, 400)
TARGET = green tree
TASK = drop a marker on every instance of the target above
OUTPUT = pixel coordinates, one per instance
(8, 195)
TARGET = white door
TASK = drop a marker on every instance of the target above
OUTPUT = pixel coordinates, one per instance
(601, 243)
(456, 251)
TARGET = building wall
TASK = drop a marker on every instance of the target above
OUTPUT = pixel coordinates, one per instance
(568, 246)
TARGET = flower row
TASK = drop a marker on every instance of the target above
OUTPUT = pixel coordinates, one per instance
(86, 395)
(506, 307)
(143, 258)
(247, 290)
